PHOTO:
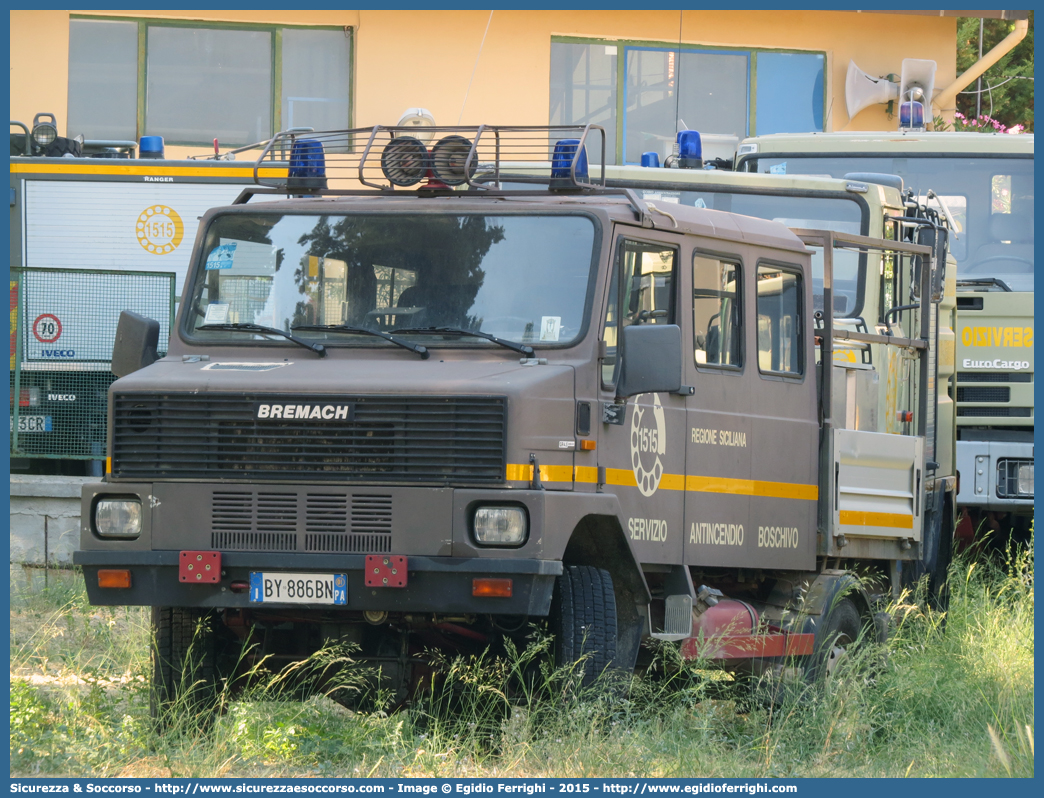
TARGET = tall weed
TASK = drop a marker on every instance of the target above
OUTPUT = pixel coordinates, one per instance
(948, 695)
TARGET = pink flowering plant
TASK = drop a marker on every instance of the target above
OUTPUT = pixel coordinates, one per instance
(982, 124)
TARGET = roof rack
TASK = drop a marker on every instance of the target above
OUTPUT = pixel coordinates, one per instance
(391, 158)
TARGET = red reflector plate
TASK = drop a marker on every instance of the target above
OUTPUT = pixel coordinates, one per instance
(199, 567)
(385, 570)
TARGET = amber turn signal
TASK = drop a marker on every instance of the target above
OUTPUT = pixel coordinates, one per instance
(587, 446)
(114, 578)
(491, 588)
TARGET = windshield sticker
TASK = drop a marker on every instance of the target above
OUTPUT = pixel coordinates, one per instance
(221, 256)
(550, 328)
(699, 203)
(216, 313)
(778, 169)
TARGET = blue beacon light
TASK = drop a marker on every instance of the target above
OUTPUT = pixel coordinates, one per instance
(911, 115)
(650, 159)
(562, 160)
(307, 165)
(690, 150)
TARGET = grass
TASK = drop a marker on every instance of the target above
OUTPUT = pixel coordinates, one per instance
(941, 702)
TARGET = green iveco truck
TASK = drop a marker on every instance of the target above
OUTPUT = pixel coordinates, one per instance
(986, 181)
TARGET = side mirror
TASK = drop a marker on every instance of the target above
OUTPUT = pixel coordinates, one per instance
(652, 359)
(136, 344)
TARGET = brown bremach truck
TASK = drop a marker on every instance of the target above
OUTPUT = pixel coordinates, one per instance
(410, 419)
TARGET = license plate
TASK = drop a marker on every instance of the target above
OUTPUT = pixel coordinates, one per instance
(286, 588)
(32, 424)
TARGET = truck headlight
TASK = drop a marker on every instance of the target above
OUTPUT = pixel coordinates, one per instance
(117, 518)
(1026, 479)
(500, 526)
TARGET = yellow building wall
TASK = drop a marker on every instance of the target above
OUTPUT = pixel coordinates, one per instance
(405, 59)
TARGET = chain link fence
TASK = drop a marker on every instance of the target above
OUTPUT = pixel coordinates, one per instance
(63, 324)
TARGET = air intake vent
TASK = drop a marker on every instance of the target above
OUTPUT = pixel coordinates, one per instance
(253, 541)
(241, 521)
(385, 439)
(983, 394)
(372, 514)
(994, 376)
(326, 512)
(349, 544)
(996, 412)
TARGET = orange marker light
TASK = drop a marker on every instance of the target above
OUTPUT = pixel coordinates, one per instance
(588, 446)
(491, 588)
(113, 578)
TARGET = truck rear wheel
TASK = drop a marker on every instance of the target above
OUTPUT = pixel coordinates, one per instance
(842, 630)
(184, 664)
(583, 620)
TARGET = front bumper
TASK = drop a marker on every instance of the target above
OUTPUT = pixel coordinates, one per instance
(435, 584)
(985, 468)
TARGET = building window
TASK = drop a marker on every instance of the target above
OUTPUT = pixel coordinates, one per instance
(103, 79)
(643, 93)
(193, 83)
(583, 88)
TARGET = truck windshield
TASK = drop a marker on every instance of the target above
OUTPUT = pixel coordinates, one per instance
(819, 213)
(991, 200)
(518, 278)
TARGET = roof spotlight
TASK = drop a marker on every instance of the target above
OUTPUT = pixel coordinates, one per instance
(44, 132)
(423, 122)
(405, 161)
(448, 159)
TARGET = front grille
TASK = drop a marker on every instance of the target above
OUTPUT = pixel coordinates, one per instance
(1008, 479)
(441, 439)
(996, 412)
(983, 394)
(337, 522)
(994, 376)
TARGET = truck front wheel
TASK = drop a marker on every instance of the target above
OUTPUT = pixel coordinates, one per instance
(583, 621)
(184, 664)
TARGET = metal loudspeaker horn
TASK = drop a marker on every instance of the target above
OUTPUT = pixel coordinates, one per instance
(916, 85)
(862, 90)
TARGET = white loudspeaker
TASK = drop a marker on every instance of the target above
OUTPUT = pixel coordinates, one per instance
(862, 90)
(918, 77)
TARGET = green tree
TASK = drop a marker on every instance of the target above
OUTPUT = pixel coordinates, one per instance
(1007, 86)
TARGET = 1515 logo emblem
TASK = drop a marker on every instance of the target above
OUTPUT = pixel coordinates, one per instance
(648, 443)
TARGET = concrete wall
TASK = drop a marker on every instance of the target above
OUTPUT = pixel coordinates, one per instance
(405, 59)
(45, 519)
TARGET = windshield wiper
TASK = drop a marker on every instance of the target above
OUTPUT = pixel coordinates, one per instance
(319, 349)
(420, 350)
(523, 348)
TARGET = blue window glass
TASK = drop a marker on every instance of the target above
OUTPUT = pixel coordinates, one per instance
(789, 92)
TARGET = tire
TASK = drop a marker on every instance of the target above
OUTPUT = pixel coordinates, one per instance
(842, 629)
(184, 665)
(62, 146)
(583, 620)
(935, 562)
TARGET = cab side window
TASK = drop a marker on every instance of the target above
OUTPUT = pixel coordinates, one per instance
(646, 272)
(716, 312)
(780, 334)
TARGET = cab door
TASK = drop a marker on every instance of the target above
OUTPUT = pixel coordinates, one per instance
(641, 449)
(718, 436)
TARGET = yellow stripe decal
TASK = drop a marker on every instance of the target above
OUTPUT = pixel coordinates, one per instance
(694, 484)
(548, 473)
(136, 170)
(586, 474)
(862, 518)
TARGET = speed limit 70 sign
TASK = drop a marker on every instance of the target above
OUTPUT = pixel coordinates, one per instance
(47, 328)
